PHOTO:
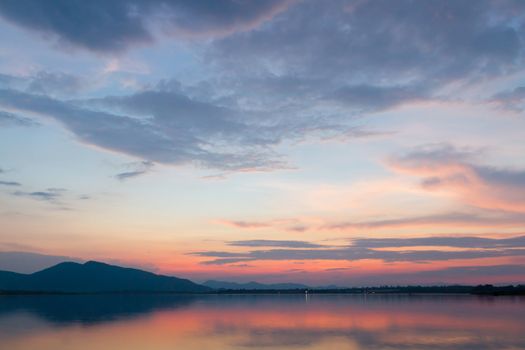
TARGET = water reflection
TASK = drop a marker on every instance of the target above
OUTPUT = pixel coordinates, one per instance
(257, 322)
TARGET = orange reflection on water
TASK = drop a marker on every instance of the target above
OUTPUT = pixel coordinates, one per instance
(270, 322)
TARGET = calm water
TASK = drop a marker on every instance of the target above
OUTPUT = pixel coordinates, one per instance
(261, 322)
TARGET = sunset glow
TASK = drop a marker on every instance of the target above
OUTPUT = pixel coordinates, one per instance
(348, 143)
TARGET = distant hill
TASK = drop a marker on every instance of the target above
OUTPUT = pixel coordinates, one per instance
(95, 277)
(253, 285)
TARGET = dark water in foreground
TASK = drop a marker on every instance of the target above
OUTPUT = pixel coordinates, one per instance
(262, 322)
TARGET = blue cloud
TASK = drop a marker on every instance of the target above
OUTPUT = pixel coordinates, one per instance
(11, 119)
(139, 168)
(9, 183)
(362, 249)
(112, 26)
(52, 195)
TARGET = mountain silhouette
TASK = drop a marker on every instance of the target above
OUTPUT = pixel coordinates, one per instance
(94, 277)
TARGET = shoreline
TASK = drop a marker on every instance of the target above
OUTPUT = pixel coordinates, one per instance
(494, 292)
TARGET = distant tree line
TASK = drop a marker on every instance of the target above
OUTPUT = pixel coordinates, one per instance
(485, 289)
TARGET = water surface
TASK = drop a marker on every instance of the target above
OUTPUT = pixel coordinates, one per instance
(261, 322)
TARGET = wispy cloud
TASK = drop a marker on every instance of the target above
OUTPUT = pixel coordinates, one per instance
(511, 99)
(201, 133)
(376, 97)
(446, 168)
(287, 224)
(52, 195)
(10, 183)
(245, 224)
(52, 83)
(137, 169)
(274, 243)
(87, 23)
(443, 241)
(470, 218)
(363, 249)
(483, 219)
(11, 119)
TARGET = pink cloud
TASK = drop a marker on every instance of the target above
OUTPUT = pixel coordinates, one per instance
(245, 224)
(446, 169)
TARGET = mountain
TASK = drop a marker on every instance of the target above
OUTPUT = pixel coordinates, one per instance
(253, 285)
(95, 277)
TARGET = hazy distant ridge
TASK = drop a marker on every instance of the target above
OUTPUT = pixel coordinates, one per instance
(253, 285)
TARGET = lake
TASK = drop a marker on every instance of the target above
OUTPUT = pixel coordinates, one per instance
(261, 322)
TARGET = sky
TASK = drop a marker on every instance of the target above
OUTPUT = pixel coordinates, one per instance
(322, 142)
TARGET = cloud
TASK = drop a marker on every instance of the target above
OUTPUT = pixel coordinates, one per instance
(354, 254)
(485, 218)
(274, 243)
(275, 72)
(513, 99)
(373, 97)
(246, 224)
(97, 25)
(362, 249)
(445, 168)
(114, 26)
(178, 130)
(139, 168)
(171, 128)
(52, 195)
(336, 269)
(50, 83)
(7, 80)
(452, 241)
(11, 119)
(219, 18)
(298, 228)
(473, 218)
(59, 198)
(219, 254)
(482, 218)
(226, 261)
(288, 224)
(371, 55)
(9, 183)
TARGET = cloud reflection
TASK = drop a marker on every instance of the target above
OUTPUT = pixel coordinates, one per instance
(270, 322)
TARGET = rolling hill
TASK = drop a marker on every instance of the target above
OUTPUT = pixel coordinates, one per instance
(95, 277)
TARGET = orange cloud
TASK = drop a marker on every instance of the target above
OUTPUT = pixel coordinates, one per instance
(453, 171)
